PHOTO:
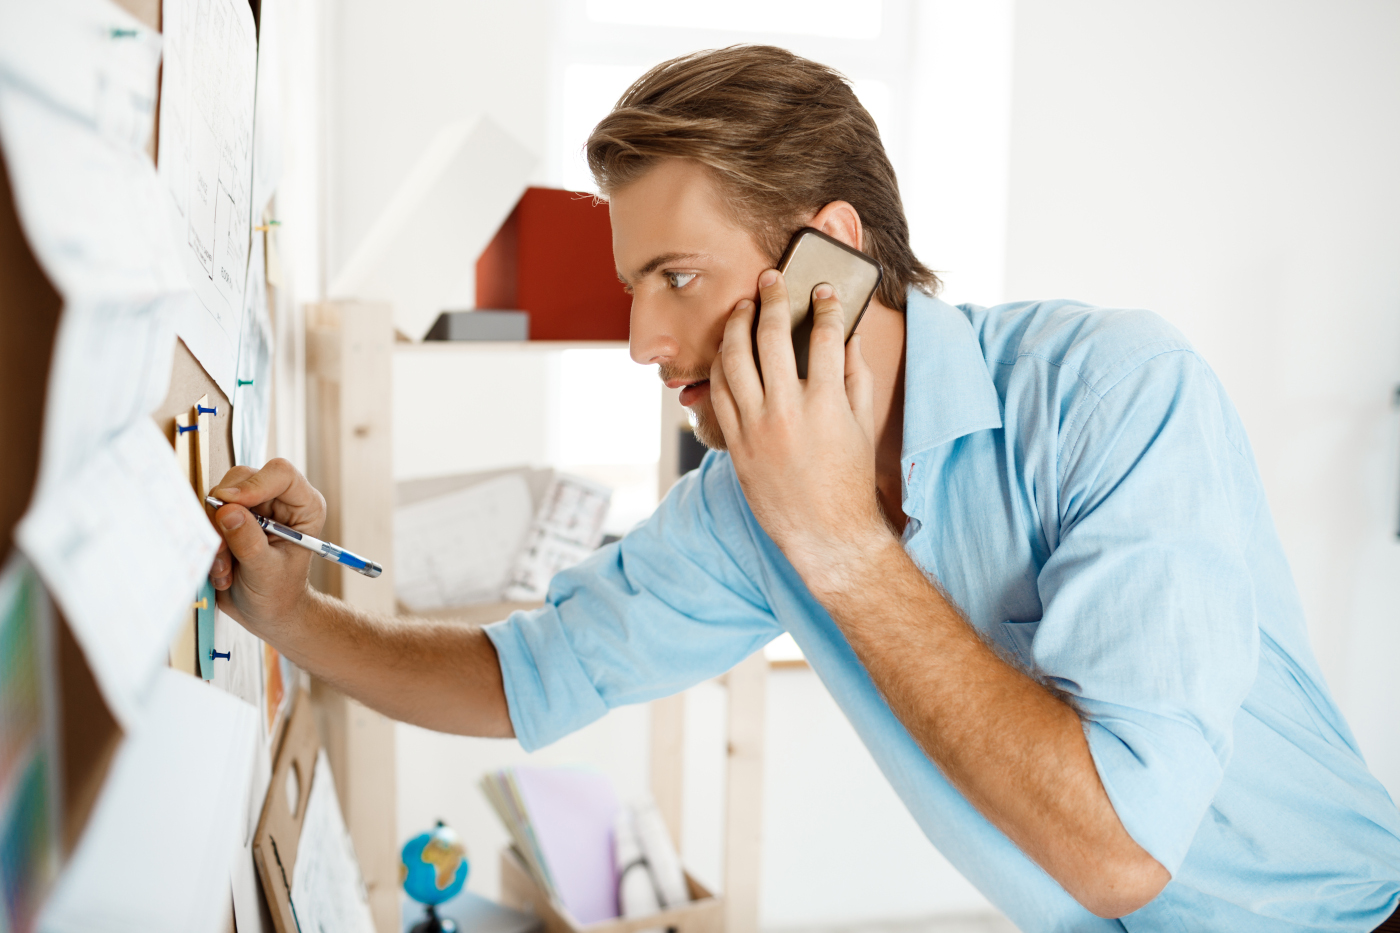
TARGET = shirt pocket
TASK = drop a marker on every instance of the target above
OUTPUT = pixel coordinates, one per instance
(1017, 637)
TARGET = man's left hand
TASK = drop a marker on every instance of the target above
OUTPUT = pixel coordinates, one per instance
(803, 449)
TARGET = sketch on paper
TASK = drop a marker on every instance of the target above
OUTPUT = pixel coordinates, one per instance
(205, 158)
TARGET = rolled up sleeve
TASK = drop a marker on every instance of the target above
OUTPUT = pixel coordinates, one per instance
(671, 604)
(1148, 617)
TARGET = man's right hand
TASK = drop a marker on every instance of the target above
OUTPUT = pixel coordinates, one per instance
(262, 581)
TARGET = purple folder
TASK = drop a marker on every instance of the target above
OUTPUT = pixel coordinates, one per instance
(572, 813)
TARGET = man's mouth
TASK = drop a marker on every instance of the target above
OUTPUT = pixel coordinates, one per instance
(693, 392)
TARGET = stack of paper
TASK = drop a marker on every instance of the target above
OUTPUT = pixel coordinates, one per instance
(561, 821)
(495, 536)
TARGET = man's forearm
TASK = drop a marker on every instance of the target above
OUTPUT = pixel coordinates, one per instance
(441, 675)
(1013, 748)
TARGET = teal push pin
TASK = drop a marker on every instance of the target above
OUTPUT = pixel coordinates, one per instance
(244, 382)
(123, 33)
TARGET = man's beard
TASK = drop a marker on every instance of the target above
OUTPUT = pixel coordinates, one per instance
(702, 415)
(706, 426)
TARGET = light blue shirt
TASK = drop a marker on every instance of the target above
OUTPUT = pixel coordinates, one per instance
(1080, 485)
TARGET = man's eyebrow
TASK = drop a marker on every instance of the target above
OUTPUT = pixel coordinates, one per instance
(656, 262)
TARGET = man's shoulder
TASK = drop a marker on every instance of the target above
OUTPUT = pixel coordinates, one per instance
(1097, 345)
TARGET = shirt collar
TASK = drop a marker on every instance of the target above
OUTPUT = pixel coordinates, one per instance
(948, 391)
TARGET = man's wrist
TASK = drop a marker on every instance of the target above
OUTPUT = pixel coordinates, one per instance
(844, 568)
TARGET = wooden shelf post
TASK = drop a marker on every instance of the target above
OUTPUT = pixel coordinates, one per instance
(747, 684)
(350, 460)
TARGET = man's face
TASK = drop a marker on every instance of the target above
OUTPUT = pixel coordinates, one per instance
(686, 264)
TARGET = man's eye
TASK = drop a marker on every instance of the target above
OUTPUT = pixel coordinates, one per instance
(679, 279)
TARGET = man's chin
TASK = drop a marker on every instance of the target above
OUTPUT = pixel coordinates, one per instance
(706, 426)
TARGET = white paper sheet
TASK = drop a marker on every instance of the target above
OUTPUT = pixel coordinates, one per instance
(88, 58)
(250, 914)
(206, 162)
(567, 529)
(267, 115)
(160, 843)
(328, 892)
(458, 549)
(122, 546)
(252, 398)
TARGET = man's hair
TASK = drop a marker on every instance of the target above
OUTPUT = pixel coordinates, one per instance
(783, 135)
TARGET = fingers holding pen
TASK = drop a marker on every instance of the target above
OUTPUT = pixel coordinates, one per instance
(279, 486)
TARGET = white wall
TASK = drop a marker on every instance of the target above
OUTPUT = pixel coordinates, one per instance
(1233, 166)
(401, 72)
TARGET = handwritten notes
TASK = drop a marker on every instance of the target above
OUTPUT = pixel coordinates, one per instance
(206, 162)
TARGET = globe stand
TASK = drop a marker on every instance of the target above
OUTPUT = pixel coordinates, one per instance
(432, 923)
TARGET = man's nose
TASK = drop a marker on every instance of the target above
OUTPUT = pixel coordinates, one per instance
(650, 339)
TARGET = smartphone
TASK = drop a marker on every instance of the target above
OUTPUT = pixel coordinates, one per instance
(810, 259)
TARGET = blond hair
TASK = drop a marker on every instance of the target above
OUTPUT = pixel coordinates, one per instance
(783, 135)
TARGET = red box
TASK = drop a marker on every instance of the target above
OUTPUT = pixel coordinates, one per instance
(553, 258)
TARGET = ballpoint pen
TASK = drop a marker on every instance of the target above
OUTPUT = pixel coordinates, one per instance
(325, 549)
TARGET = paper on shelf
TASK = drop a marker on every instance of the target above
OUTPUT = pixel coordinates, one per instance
(571, 812)
(457, 549)
(159, 845)
(660, 853)
(208, 86)
(122, 546)
(328, 892)
(636, 889)
(567, 528)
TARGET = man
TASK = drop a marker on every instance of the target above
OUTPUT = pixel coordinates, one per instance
(1026, 548)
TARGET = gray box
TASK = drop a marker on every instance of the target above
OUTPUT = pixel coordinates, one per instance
(481, 325)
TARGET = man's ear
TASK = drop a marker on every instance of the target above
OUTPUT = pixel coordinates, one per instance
(840, 221)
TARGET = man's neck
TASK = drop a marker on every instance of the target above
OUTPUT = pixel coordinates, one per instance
(882, 344)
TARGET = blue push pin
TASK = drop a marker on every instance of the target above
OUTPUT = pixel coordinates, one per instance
(200, 409)
(182, 428)
(220, 655)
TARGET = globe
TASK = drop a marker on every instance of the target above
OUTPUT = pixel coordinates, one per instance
(433, 866)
